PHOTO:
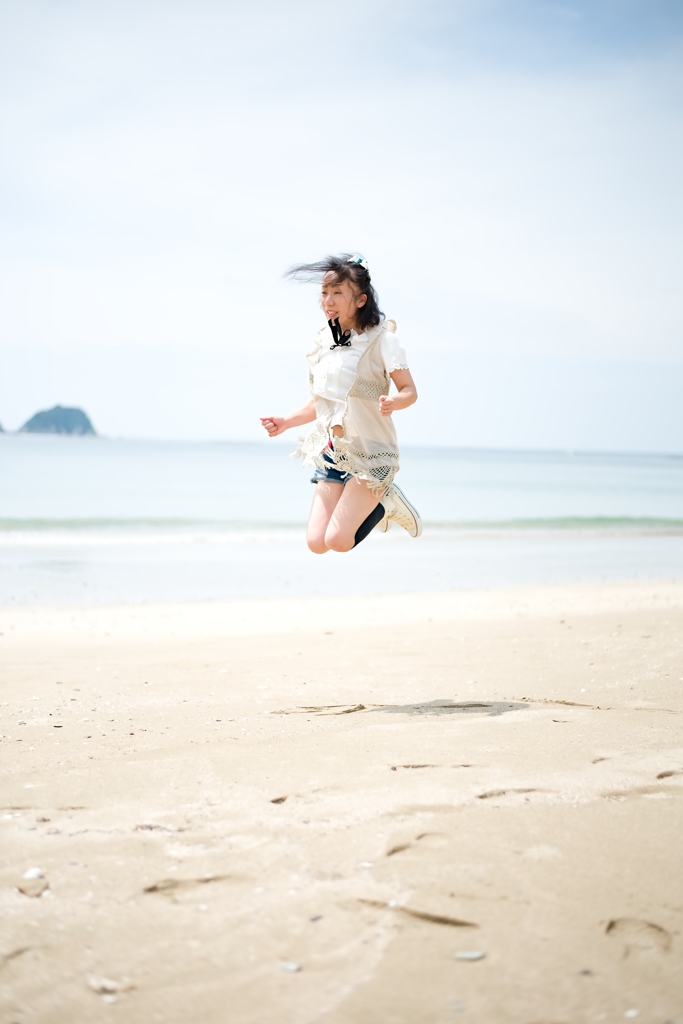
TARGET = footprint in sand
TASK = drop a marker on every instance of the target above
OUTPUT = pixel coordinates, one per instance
(492, 793)
(657, 792)
(174, 887)
(431, 840)
(638, 936)
(418, 766)
(419, 915)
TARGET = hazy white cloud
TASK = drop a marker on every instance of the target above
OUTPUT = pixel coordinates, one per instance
(511, 171)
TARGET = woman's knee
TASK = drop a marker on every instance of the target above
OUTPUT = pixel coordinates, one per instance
(338, 541)
(317, 545)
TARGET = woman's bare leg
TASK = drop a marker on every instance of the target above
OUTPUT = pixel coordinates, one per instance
(351, 509)
(325, 500)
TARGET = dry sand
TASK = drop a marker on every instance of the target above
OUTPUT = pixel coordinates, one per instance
(260, 812)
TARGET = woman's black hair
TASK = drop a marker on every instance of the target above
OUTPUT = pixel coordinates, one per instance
(345, 268)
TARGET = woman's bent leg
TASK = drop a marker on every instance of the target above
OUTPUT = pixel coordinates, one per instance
(369, 524)
(352, 509)
(325, 500)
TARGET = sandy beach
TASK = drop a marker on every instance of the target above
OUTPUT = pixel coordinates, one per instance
(397, 809)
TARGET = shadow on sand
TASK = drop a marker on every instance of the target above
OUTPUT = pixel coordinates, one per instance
(449, 707)
(431, 707)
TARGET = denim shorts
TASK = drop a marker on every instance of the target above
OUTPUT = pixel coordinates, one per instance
(330, 473)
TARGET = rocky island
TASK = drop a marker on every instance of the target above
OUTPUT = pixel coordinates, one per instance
(59, 420)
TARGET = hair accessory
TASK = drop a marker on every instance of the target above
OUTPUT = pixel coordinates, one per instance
(361, 263)
(341, 338)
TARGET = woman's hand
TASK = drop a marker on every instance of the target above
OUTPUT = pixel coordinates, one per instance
(274, 425)
(407, 393)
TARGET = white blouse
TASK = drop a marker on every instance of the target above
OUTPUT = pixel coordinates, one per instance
(333, 375)
(347, 383)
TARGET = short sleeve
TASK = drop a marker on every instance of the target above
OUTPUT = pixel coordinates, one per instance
(393, 353)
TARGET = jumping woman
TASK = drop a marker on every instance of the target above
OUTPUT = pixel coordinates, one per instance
(352, 444)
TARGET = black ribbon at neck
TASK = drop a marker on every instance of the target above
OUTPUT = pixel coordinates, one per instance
(341, 338)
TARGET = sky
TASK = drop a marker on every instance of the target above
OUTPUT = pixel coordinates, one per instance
(510, 169)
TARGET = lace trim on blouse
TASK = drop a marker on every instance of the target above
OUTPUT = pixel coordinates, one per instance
(364, 387)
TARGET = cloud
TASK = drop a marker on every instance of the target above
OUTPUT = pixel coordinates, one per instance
(510, 170)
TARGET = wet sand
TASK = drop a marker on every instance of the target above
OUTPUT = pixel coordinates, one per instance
(304, 811)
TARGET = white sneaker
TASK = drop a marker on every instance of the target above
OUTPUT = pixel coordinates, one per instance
(384, 524)
(401, 511)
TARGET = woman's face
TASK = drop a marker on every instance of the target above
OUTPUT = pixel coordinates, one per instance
(340, 299)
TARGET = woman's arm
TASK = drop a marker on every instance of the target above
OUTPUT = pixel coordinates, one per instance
(407, 393)
(275, 425)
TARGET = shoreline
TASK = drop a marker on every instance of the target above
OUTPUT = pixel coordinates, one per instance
(278, 615)
(90, 570)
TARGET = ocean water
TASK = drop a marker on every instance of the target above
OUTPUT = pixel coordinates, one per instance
(87, 520)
